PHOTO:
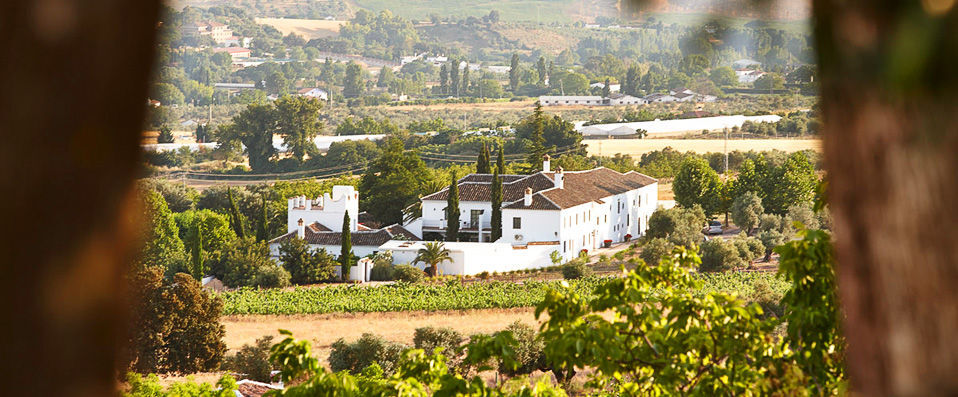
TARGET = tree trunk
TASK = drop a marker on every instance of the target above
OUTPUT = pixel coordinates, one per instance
(74, 88)
(888, 87)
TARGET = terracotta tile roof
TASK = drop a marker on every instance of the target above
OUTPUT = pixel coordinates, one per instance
(367, 237)
(538, 203)
(318, 227)
(476, 187)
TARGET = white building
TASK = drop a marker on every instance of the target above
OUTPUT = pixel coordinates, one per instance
(318, 93)
(658, 98)
(748, 76)
(567, 211)
(320, 222)
(570, 100)
(612, 87)
(623, 99)
(675, 126)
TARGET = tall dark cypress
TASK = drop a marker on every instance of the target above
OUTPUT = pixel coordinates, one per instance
(236, 220)
(262, 232)
(452, 211)
(482, 164)
(197, 250)
(346, 245)
(496, 205)
(500, 162)
(537, 148)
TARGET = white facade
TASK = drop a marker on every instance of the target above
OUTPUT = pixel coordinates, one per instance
(571, 100)
(474, 258)
(318, 93)
(677, 126)
(327, 210)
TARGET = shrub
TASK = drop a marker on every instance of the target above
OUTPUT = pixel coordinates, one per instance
(368, 349)
(528, 349)
(655, 249)
(252, 361)
(246, 263)
(719, 255)
(429, 338)
(768, 299)
(408, 274)
(382, 272)
(179, 197)
(746, 210)
(306, 266)
(575, 269)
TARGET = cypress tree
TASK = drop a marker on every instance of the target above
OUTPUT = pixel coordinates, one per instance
(262, 233)
(496, 205)
(346, 244)
(452, 211)
(514, 72)
(500, 162)
(236, 220)
(197, 250)
(482, 164)
(443, 79)
(537, 148)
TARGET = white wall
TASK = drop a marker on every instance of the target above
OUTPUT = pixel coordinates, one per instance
(358, 250)
(434, 214)
(470, 258)
(536, 225)
(328, 210)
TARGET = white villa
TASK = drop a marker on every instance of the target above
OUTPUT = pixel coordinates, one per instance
(615, 99)
(320, 222)
(562, 212)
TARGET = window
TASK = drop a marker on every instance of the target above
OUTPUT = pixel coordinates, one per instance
(640, 200)
(563, 246)
(517, 223)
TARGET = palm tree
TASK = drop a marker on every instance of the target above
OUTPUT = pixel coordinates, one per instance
(434, 254)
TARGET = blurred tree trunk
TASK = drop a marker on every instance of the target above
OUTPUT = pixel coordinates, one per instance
(888, 73)
(73, 86)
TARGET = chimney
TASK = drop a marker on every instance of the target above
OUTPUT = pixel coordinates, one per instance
(560, 183)
(301, 232)
(545, 163)
(309, 203)
(527, 200)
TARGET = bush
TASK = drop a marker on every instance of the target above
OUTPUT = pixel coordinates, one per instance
(179, 197)
(768, 299)
(368, 349)
(575, 269)
(429, 338)
(655, 249)
(719, 255)
(246, 263)
(528, 350)
(252, 361)
(383, 269)
(408, 274)
(306, 266)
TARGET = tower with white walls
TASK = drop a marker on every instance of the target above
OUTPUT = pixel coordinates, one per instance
(328, 209)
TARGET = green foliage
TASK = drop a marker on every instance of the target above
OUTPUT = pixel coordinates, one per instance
(697, 184)
(667, 339)
(746, 210)
(392, 182)
(237, 222)
(179, 197)
(366, 126)
(353, 84)
(528, 350)
(812, 309)
(720, 255)
(655, 249)
(680, 226)
(408, 274)
(803, 214)
(444, 296)
(346, 247)
(496, 202)
(433, 254)
(214, 228)
(368, 349)
(305, 265)
(297, 121)
(723, 76)
(770, 81)
(175, 325)
(246, 263)
(163, 247)
(576, 269)
(149, 386)
(252, 361)
(450, 340)
(452, 213)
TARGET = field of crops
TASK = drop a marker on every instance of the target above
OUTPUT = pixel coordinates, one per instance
(452, 295)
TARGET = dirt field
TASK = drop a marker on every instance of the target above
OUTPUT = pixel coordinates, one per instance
(323, 330)
(636, 147)
(308, 28)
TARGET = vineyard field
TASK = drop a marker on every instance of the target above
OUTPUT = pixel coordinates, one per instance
(452, 295)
